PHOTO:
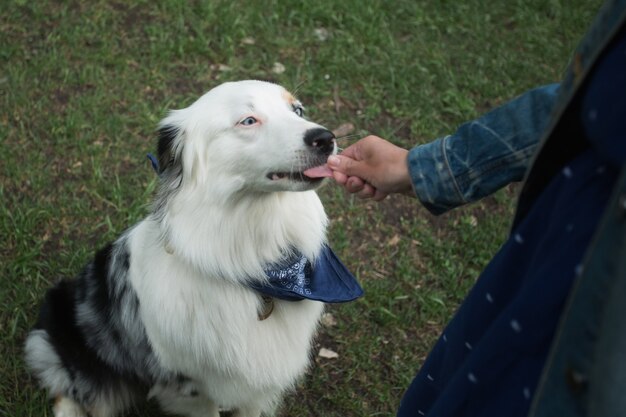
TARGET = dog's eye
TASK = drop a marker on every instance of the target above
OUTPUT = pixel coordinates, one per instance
(248, 121)
(299, 111)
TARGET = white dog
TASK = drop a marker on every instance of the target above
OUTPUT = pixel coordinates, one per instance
(212, 301)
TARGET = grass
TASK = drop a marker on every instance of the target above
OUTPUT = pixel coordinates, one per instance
(83, 84)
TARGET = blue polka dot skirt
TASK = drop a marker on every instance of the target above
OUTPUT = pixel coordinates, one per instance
(489, 358)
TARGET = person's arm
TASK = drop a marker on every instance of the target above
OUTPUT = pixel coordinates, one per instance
(483, 155)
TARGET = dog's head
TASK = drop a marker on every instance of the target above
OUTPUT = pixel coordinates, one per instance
(246, 135)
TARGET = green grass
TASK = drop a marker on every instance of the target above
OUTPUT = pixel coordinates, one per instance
(83, 84)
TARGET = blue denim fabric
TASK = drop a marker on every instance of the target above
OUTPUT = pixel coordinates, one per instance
(586, 373)
(555, 140)
(483, 155)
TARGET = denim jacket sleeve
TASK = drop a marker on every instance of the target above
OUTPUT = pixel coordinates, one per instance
(483, 155)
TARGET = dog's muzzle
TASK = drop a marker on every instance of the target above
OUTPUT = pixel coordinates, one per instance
(321, 140)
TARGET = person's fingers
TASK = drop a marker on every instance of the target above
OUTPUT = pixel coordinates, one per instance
(366, 192)
(345, 165)
(353, 151)
(340, 177)
(355, 184)
(375, 162)
(379, 195)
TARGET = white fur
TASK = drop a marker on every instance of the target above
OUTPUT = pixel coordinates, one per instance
(224, 223)
(66, 407)
(40, 355)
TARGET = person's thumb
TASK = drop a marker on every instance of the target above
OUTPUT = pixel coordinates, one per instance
(345, 165)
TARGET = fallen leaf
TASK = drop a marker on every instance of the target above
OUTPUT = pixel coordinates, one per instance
(394, 240)
(328, 320)
(327, 354)
(321, 34)
(221, 67)
(343, 129)
(278, 68)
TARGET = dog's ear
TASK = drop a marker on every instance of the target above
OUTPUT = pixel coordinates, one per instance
(168, 135)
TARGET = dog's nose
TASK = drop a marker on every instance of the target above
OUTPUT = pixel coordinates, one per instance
(320, 139)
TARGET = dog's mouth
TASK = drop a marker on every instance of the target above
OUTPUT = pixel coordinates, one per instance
(291, 176)
(313, 174)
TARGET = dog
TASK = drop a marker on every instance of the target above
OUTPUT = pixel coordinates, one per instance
(212, 301)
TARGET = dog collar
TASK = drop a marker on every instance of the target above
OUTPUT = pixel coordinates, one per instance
(295, 278)
(154, 162)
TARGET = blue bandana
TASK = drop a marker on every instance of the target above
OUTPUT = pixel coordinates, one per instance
(295, 279)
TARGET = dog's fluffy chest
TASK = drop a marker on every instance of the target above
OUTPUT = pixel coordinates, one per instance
(208, 328)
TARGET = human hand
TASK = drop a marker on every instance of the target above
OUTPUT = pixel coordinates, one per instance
(372, 168)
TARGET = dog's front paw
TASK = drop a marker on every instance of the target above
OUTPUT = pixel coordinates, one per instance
(65, 407)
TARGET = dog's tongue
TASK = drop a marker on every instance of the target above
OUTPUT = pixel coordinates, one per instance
(319, 172)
